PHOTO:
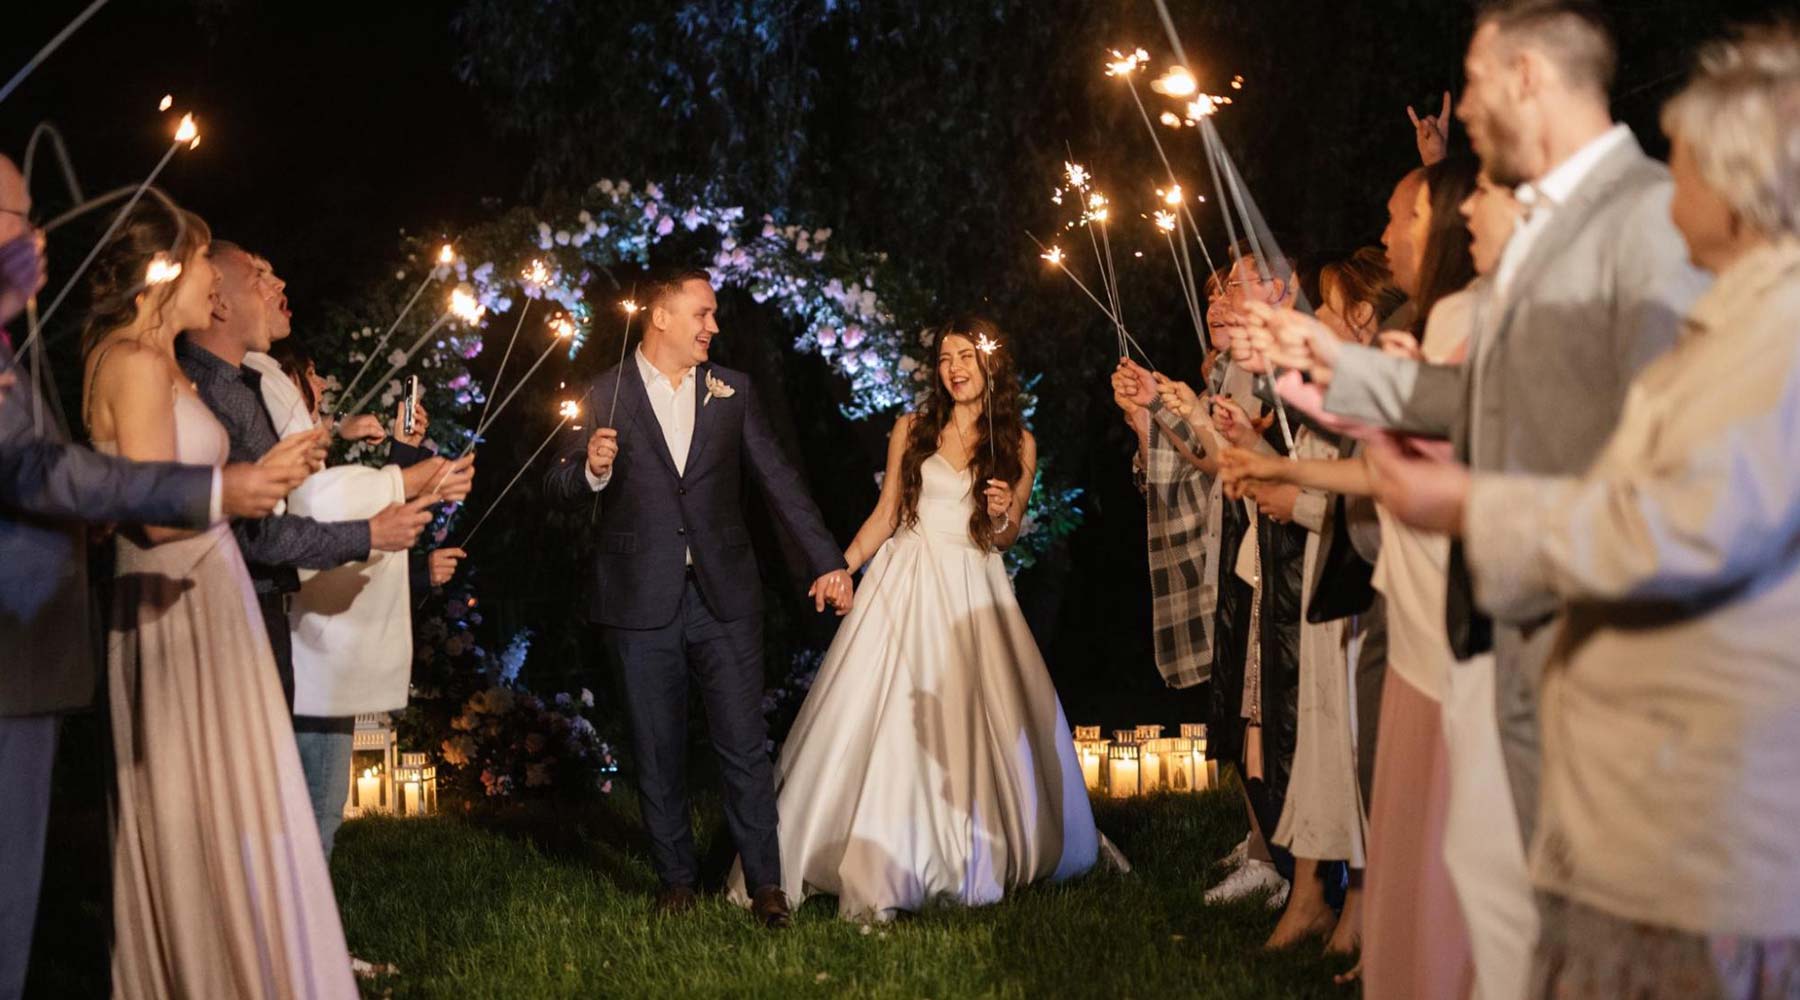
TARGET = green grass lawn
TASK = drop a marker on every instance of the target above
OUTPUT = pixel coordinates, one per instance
(558, 905)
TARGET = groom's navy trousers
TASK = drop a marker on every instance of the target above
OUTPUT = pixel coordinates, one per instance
(677, 592)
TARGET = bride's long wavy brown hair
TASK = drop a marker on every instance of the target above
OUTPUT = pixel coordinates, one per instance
(933, 415)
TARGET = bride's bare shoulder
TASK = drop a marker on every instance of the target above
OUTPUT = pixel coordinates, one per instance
(903, 424)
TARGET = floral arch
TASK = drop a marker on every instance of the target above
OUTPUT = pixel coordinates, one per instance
(849, 308)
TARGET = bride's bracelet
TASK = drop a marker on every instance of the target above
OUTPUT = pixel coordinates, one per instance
(1005, 523)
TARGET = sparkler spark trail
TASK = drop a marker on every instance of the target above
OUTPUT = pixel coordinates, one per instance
(987, 346)
(446, 256)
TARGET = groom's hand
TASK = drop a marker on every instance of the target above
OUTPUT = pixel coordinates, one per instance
(602, 448)
(834, 588)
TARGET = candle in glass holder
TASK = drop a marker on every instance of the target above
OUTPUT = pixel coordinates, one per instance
(1091, 750)
(1123, 773)
(1178, 765)
(368, 791)
(1206, 774)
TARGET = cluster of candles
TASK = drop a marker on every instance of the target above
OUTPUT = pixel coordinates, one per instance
(410, 790)
(1142, 761)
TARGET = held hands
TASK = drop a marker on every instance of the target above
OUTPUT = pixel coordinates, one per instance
(442, 564)
(397, 527)
(1432, 133)
(602, 449)
(1399, 344)
(834, 588)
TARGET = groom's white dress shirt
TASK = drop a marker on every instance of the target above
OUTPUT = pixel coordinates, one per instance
(674, 408)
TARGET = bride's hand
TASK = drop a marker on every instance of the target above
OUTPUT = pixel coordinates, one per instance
(999, 497)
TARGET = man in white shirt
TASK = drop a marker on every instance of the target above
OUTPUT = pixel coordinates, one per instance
(676, 588)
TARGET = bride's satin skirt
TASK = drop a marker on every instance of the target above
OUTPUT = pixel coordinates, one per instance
(931, 761)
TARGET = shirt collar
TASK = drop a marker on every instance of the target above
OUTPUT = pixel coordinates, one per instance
(652, 375)
(1560, 182)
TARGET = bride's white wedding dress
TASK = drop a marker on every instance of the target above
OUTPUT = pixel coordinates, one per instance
(931, 760)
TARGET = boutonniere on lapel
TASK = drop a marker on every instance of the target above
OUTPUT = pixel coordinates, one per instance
(717, 389)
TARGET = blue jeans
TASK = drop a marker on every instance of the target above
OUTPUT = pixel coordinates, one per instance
(325, 757)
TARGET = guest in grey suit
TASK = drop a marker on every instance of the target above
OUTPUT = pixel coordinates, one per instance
(1591, 287)
(50, 490)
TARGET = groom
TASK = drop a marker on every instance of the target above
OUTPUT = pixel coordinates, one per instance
(676, 586)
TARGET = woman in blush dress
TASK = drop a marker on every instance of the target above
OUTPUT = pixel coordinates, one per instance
(220, 886)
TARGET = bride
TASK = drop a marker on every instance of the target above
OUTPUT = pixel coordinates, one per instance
(931, 761)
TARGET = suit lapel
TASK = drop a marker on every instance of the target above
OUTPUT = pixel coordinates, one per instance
(702, 421)
(1571, 216)
(637, 400)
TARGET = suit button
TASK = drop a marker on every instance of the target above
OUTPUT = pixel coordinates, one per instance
(681, 531)
(681, 491)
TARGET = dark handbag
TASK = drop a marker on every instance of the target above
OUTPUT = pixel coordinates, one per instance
(1341, 581)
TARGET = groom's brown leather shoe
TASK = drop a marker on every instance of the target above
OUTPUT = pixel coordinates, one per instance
(674, 899)
(769, 906)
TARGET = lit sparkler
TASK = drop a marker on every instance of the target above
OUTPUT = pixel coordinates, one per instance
(569, 410)
(463, 305)
(562, 329)
(446, 256)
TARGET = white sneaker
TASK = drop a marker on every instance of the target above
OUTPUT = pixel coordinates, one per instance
(1253, 877)
(1237, 857)
(1278, 899)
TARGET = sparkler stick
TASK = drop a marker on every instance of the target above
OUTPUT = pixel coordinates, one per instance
(50, 47)
(186, 134)
(46, 130)
(1127, 67)
(534, 274)
(570, 410)
(463, 306)
(987, 346)
(1054, 255)
(631, 310)
(562, 328)
(446, 256)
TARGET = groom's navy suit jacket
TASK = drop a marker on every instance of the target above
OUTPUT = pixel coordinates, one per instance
(651, 515)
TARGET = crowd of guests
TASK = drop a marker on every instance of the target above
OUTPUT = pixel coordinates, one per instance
(1497, 620)
(259, 602)
(1500, 641)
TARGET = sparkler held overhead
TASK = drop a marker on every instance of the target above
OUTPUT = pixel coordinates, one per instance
(533, 277)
